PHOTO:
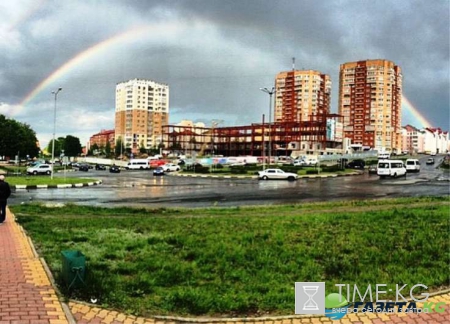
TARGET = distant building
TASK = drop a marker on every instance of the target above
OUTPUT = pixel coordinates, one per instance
(426, 140)
(142, 109)
(105, 136)
(411, 139)
(435, 140)
(300, 95)
(370, 95)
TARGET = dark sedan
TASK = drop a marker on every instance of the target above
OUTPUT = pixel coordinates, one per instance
(356, 164)
(100, 167)
(158, 171)
(83, 167)
(114, 169)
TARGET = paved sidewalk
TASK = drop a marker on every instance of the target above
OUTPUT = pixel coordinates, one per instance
(86, 314)
(26, 294)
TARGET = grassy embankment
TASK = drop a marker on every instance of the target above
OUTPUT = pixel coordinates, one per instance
(243, 260)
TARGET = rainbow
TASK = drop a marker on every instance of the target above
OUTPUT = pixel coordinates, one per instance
(87, 54)
(415, 112)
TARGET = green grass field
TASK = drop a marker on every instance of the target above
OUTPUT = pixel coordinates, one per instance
(44, 180)
(243, 260)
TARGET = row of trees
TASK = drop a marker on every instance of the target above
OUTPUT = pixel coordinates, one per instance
(18, 138)
(120, 149)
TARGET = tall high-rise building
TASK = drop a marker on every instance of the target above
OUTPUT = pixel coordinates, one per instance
(142, 108)
(370, 99)
(301, 95)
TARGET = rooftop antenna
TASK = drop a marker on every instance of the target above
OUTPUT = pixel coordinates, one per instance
(293, 64)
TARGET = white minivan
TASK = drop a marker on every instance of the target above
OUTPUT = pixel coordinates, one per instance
(391, 168)
(412, 165)
(138, 164)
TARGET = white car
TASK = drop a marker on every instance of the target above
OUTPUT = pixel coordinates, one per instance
(40, 169)
(276, 174)
(300, 163)
(168, 167)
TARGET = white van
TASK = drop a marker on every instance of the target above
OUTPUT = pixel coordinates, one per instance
(391, 168)
(138, 164)
(412, 165)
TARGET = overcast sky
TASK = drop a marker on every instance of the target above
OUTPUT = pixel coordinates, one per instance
(213, 54)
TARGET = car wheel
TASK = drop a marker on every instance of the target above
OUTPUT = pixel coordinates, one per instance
(141, 168)
(265, 178)
(291, 178)
(395, 175)
(35, 172)
(48, 172)
(178, 169)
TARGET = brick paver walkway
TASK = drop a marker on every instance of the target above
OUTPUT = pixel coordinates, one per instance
(27, 297)
(26, 294)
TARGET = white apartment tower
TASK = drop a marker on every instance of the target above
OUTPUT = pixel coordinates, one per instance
(142, 108)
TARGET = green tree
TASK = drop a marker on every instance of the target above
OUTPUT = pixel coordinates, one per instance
(16, 137)
(108, 149)
(94, 149)
(72, 146)
(142, 148)
(58, 147)
(120, 148)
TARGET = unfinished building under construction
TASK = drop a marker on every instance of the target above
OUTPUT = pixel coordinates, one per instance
(280, 138)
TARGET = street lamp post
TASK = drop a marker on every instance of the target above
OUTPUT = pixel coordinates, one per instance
(270, 93)
(54, 131)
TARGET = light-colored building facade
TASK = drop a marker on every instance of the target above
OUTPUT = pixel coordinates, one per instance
(426, 140)
(301, 95)
(142, 108)
(370, 94)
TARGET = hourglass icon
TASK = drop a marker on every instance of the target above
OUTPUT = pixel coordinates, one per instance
(310, 303)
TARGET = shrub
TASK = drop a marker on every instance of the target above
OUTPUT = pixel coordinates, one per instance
(312, 171)
(331, 168)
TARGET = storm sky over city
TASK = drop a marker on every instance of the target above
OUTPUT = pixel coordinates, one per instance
(215, 55)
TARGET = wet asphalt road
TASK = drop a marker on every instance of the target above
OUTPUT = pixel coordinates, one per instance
(141, 188)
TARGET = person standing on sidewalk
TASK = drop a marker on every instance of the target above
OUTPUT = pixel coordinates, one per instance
(5, 192)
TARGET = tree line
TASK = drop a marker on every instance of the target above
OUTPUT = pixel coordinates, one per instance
(18, 138)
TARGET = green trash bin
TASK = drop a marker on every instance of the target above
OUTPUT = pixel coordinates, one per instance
(73, 268)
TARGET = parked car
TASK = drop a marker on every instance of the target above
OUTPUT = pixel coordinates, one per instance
(40, 169)
(311, 161)
(356, 164)
(168, 167)
(83, 167)
(159, 171)
(276, 174)
(100, 167)
(430, 161)
(373, 169)
(299, 163)
(412, 165)
(114, 169)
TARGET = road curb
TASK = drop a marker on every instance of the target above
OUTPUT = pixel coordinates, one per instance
(59, 186)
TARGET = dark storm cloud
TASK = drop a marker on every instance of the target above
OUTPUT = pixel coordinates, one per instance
(223, 52)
